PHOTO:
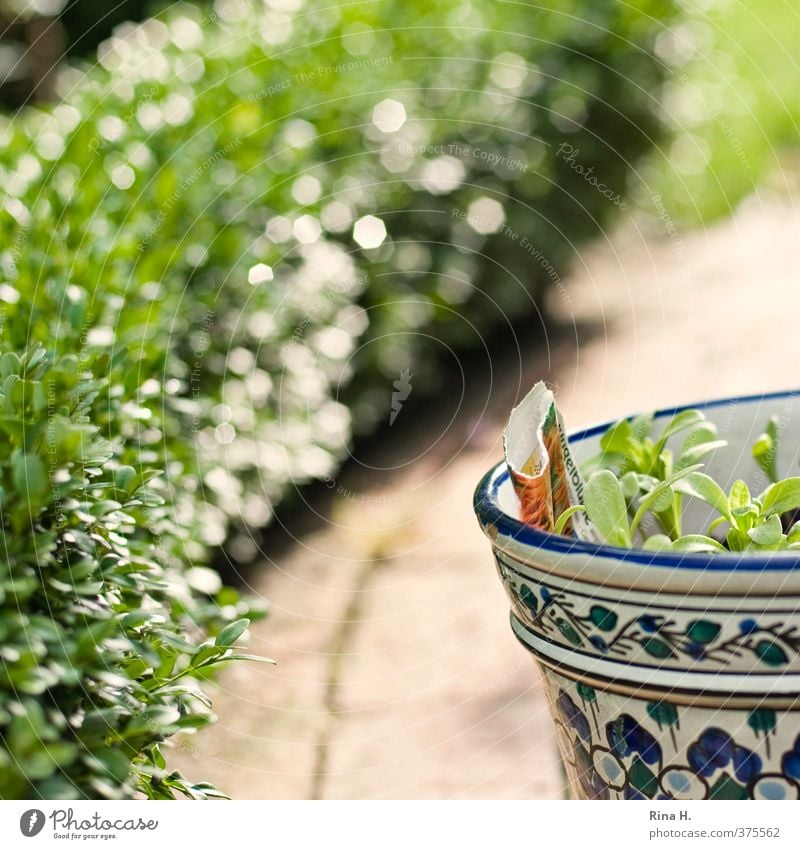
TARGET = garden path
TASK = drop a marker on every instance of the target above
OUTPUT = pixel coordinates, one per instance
(397, 675)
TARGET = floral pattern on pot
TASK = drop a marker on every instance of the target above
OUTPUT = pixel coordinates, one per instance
(616, 747)
(627, 629)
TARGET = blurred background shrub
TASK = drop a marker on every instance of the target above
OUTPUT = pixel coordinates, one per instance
(730, 106)
(264, 217)
(239, 227)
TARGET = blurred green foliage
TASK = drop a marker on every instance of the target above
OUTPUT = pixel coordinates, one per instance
(730, 107)
(202, 147)
(245, 224)
(100, 637)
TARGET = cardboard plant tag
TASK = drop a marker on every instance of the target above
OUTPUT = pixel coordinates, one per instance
(545, 477)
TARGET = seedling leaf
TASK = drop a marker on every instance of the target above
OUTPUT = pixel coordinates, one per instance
(701, 486)
(650, 499)
(691, 455)
(565, 517)
(681, 421)
(606, 507)
(697, 542)
(765, 449)
(780, 497)
(618, 439)
(740, 496)
(657, 542)
(768, 533)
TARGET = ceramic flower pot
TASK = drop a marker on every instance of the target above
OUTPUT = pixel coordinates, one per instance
(669, 676)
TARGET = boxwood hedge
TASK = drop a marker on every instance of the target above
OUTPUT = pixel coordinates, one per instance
(101, 639)
(232, 234)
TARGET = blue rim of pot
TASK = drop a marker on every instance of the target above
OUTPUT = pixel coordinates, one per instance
(490, 514)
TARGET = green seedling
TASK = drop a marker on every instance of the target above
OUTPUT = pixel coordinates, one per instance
(754, 523)
(765, 449)
(643, 461)
(608, 508)
(642, 475)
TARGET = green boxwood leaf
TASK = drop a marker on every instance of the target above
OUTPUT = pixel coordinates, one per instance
(30, 478)
(231, 633)
(657, 542)
(692, 455)
(561, 521)
(651, 498)
(765, 449)
(619, 438)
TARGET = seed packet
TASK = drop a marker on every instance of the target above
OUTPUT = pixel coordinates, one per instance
(545, 477)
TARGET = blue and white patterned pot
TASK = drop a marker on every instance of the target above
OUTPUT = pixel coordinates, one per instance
(670, 676)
